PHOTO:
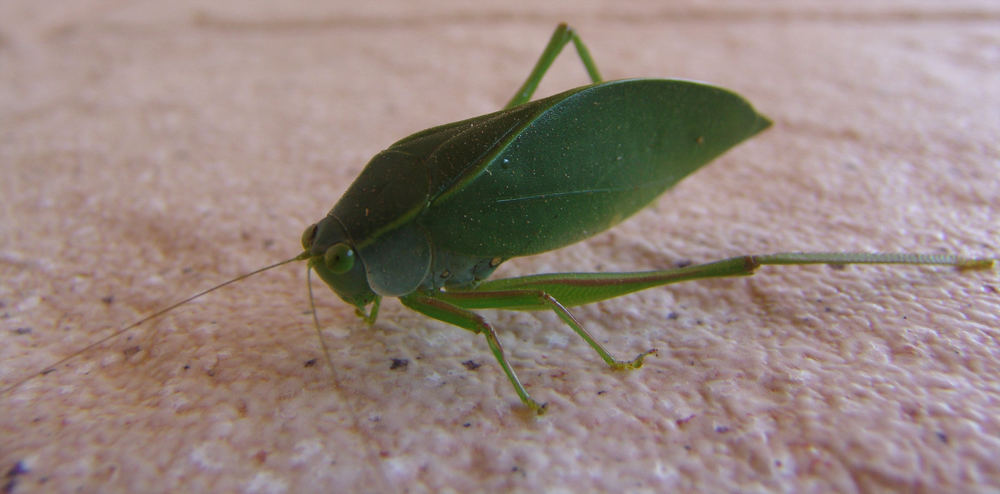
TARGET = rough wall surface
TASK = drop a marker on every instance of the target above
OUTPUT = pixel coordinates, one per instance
(152, 149)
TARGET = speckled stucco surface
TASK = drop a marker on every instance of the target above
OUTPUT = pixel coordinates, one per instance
(150, 150)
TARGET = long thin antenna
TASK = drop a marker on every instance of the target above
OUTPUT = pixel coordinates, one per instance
(373, 457)
(315, 318)
(50, 368)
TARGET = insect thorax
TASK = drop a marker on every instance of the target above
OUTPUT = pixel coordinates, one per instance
(449, 269)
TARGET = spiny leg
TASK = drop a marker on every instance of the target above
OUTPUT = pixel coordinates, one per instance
(573, 289)
(558, 291)
(562, 35)
(876, 258)
(443, 311)
(536, 300)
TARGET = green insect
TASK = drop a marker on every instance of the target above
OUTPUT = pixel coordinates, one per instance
(430, 218)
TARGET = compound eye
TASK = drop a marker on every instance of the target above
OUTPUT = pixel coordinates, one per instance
(339, 258)
(309, 236)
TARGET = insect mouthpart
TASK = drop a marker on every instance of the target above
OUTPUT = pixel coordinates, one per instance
(333, 258)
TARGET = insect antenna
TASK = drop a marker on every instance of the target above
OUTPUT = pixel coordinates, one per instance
(369, 449)
(50, 368)
(315, 318)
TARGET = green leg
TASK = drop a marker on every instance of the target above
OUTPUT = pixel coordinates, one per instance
(557, 291)
(462, 318)
(562, 35)
(573, 289)
(540, 300)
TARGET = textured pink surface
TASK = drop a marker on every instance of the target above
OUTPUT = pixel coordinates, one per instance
(150, 151)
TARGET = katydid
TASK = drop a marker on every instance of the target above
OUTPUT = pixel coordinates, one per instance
(430, 218)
